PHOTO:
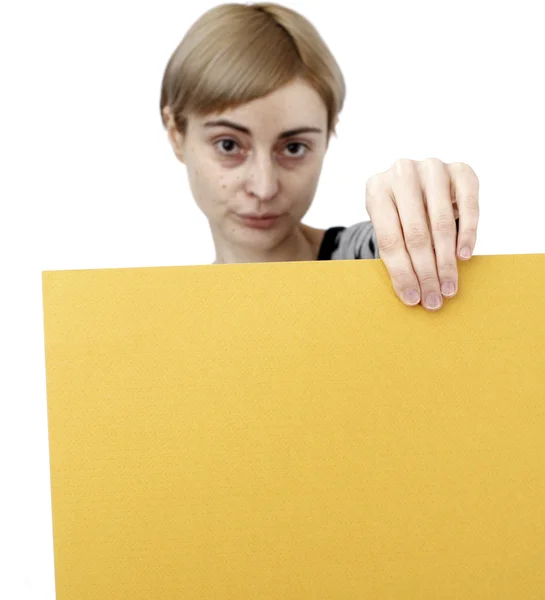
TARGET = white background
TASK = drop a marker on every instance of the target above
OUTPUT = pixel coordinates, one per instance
(88, 180)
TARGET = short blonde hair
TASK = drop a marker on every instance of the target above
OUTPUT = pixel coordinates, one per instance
(236, 53)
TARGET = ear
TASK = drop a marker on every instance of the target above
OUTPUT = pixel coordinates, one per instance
(175, 138)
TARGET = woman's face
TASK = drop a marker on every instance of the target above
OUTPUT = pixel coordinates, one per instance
(254, 170)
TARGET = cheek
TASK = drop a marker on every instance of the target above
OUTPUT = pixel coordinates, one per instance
(225, 187)
(208, 184)
(303, 185)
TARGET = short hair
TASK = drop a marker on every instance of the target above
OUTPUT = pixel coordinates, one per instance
(236, 53)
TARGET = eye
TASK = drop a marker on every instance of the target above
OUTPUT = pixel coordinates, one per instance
(226, 145)
(294, 146)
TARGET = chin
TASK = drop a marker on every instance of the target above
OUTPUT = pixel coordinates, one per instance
(260, 240)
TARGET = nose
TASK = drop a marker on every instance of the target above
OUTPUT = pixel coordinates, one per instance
(262, 179)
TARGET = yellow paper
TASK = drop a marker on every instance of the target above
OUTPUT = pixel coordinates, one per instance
(293, 431)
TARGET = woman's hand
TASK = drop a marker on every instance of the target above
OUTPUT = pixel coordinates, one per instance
(413, 207)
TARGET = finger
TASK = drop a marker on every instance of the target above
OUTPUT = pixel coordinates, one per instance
(407, 192)
(465, 189)
(391, 246)
(437, 195)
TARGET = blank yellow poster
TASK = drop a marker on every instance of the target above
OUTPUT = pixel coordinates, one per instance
(293, 431)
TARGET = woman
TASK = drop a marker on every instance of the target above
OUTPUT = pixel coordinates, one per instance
(250, 98)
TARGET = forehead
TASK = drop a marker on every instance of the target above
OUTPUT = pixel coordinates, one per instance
(291, 106)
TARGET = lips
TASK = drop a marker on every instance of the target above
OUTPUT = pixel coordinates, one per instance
(264, 216)
(265, 221)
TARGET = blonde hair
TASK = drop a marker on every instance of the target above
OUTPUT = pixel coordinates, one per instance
(236, 53)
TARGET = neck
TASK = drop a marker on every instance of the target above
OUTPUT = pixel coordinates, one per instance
(302, 245)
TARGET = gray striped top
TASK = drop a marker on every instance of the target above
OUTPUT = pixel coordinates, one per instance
(349, 243)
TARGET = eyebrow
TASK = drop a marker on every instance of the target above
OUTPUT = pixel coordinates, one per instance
(241, 128)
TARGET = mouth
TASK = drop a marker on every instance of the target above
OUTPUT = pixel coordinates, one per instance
(265, 221)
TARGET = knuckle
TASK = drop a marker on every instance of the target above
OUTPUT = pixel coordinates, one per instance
(457, 167)
(470, 231)
(388, 242)
(402, 279)
(373, 187)
(417, 236)
(372, 183)
(471, 204)
(471, 173)
(448, 266)
(432, 163)
(464, 169)
(428, 279)
(403, 167)
(443, 223)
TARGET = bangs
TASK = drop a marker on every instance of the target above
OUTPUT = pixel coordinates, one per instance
(240, 74)
(236, 53)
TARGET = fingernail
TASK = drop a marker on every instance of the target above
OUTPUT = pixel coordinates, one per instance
(433, 301)
(448, 288)
(465, 252)
(412, 297)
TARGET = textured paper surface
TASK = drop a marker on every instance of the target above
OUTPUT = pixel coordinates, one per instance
(292, 430)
